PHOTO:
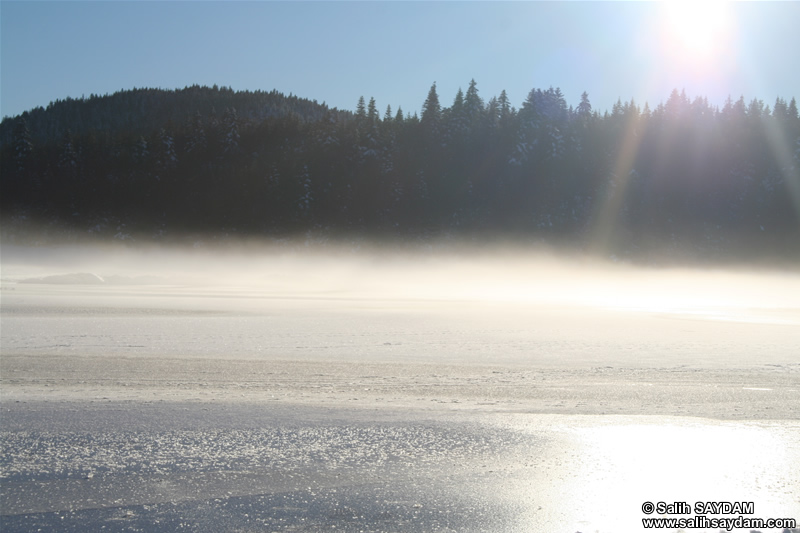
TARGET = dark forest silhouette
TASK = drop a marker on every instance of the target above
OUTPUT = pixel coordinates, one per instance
(685, 177)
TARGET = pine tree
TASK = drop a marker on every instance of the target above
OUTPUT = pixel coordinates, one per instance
(473, 104)
(677, 104)
(361, 110)
(780, 110)
(492, 113)
(739, 108)
(617, 110)
(791, 111)
(431, 113)
(585, 107)
(372, 111)
(456, 115)
(505, 105)
(755, 109)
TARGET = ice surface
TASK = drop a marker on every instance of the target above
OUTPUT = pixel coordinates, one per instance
(390, 392)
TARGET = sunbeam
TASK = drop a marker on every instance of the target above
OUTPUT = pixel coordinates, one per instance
(790, 173)
(611, 207)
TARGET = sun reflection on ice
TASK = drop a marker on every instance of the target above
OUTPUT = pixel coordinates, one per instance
(629, 463)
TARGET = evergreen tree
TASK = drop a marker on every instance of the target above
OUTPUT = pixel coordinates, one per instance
(473, 104)
(756, 109)
(457, 116)
(780, 109)
(493, 113)
(372, 112)
(677, 105)
(361, 111)
(584, 107)
(505, 105)
(791, 111)
(431, 113)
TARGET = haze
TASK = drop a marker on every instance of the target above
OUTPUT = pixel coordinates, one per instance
(359, 387)
(447, 272)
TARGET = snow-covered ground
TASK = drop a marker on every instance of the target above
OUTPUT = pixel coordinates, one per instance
(378, 392)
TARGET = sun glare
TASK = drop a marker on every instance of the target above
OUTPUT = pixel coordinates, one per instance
(696, 30)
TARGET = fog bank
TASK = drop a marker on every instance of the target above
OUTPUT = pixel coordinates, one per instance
(499, 275)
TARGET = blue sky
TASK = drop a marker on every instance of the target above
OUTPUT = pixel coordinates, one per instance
(338, 51)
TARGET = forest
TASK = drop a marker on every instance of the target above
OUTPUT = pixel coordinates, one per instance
(683, 179)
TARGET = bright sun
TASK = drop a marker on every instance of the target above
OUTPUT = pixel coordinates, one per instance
(696, 30)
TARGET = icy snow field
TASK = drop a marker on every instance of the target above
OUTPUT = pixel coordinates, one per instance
(322, 392)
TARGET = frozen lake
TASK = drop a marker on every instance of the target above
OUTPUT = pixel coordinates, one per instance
(404, 394)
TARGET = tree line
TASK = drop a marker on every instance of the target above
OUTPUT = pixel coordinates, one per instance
(685, 175)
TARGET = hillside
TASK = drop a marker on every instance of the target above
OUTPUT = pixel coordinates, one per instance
(685, 178)
(143, 111)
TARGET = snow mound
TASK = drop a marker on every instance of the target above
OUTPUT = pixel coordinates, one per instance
(137, 280)
(84, 278)
(81, 278)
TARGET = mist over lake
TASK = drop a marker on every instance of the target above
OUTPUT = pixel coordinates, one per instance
(461, 388)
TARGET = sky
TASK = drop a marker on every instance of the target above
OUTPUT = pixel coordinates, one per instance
(335, 52)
